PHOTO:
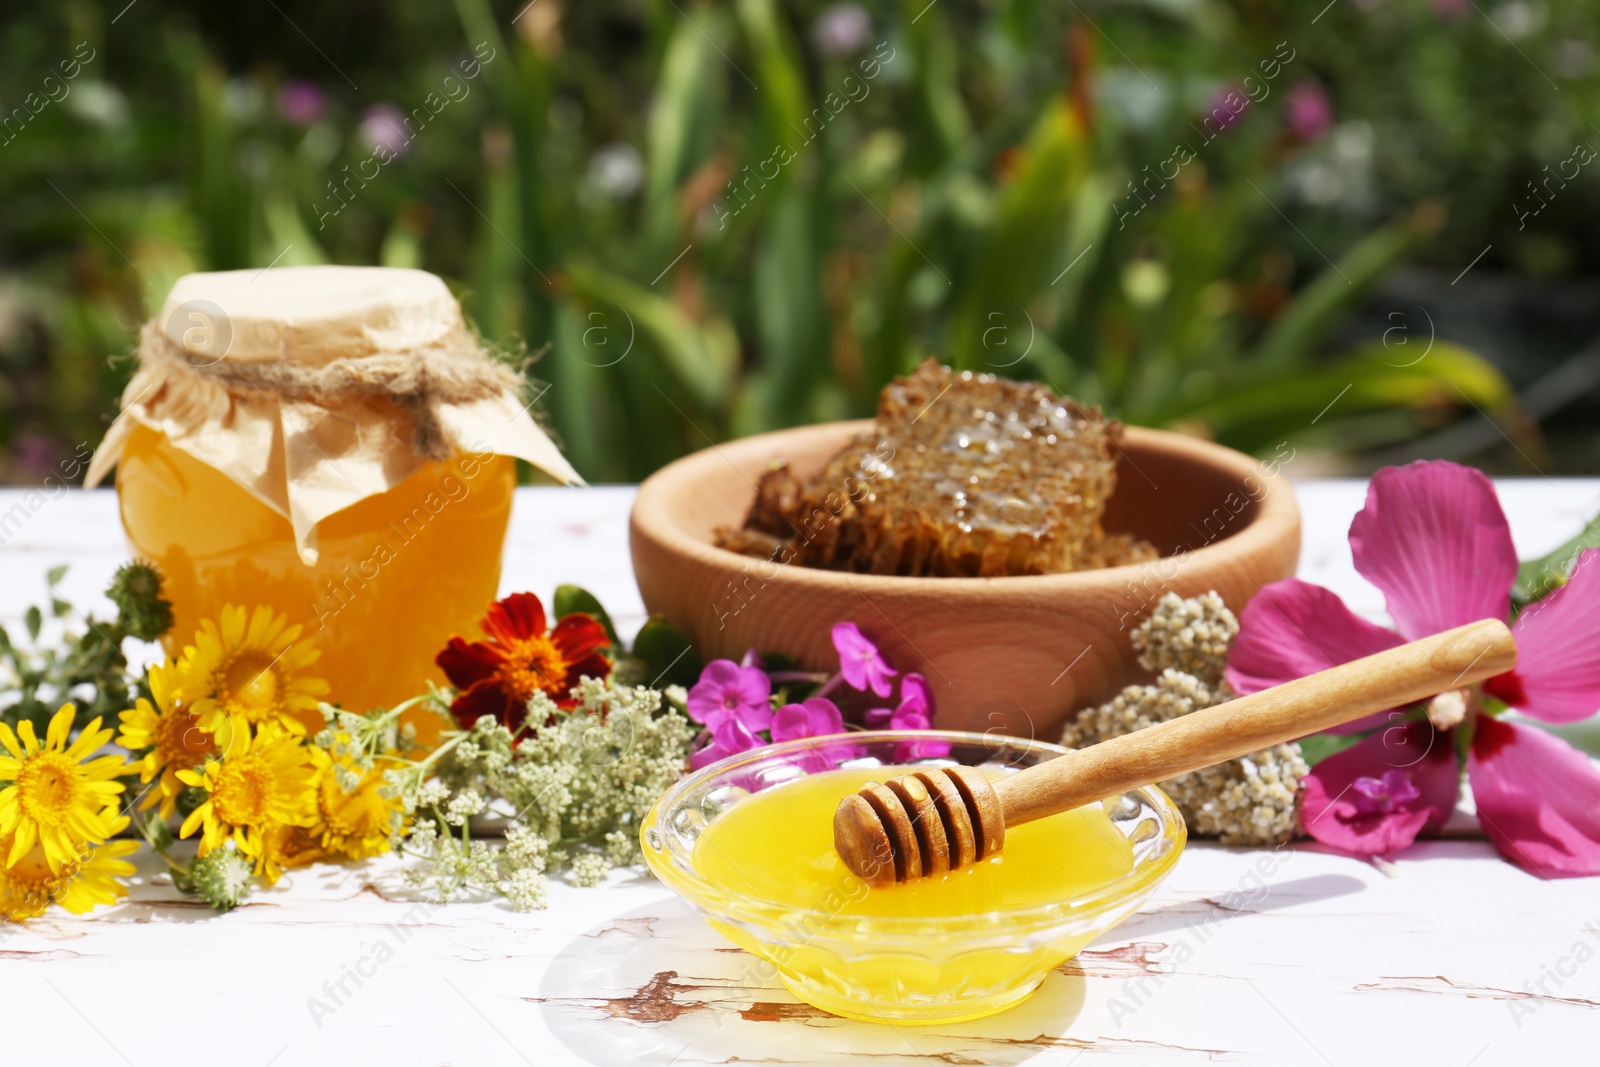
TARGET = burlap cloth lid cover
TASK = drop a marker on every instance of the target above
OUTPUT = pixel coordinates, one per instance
(317, 387)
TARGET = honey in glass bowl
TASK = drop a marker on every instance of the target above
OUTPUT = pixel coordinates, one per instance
(748, 841)
(331, 442)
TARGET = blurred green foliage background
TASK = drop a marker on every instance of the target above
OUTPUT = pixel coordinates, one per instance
(1365, 229)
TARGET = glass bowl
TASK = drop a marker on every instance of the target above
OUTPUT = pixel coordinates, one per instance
(901, 969)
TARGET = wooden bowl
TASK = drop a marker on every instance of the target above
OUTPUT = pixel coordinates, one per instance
(1013, 655)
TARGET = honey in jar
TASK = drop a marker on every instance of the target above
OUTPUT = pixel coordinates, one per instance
(332, 442)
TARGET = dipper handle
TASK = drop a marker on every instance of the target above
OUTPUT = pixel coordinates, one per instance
(937, 819)
(1453, 659)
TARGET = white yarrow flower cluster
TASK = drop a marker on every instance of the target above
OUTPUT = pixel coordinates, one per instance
(570, 794)
(1247, 801)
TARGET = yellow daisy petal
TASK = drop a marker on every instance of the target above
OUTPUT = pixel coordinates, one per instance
(61, 725)
(9, 739)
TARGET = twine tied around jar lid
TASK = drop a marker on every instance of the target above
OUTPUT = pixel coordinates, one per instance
(457, 372)
(316, 387)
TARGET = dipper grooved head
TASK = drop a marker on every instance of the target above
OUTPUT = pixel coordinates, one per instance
(927, 822)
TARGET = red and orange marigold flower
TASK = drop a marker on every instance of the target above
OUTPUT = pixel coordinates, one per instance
(522, 657)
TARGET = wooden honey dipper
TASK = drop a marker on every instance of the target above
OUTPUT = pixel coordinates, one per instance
(936, 819)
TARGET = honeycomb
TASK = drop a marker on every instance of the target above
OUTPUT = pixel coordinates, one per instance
(964, 475)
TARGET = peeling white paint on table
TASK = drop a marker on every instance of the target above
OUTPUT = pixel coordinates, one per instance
(1295, 956)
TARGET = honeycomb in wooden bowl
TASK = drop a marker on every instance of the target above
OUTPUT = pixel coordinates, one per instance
(963, 475)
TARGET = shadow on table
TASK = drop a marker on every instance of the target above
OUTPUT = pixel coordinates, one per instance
(1182, 915)
(657, 986)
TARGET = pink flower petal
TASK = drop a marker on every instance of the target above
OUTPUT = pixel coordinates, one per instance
(813, 718)
(1335, 811)
(1291, 629)
(862, 665)
(1434, 539)
(1557, 677)
(916, 695)
(1538, 798)
(729, 737)
(726, 690)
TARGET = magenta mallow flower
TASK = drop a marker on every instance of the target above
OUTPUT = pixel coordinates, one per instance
(860, 661)
(1433, 538)
(1308, 110)
(728, 691)
(301, 102)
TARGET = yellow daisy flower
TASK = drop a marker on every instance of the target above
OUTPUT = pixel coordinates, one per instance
(171, 737)
(256, 783)
(357, 823)
(289, 847)
(29, 886)
(54, 798)
(250, 666)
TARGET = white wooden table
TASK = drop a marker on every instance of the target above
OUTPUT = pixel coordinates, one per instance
(1296, 956)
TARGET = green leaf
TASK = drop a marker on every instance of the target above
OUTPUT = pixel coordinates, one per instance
(573, 599)
(1259, 410)
(668, 655)
(53, 576)
(704, 356)
(791, 316)
(1538, 578)
(684, 121)
(1319, 747)
(777, 67)
(938, 121)
(59, 607)
(1019, 253)
(287, 234)
(33, 620)
(1322, 305)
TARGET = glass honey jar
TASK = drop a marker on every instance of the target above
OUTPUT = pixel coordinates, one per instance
(332, 442)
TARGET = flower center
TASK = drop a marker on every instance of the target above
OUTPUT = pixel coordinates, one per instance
(534, 665)
(47, 785)
(1447, 709)
(250, 686)
(242, 791)
(180, 740)
(1380, 796)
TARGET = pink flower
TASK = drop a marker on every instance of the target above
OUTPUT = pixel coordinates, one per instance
(1544, 794)
(728, 737)
(1434, 539)
(811, 718)
(383, 128)
(1308, 109)
(1227, 105)
(1378, 795)
(728, 691)
(301, 102)
(841, 30)
(860, 661)
(915, 711)
(916, 705)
